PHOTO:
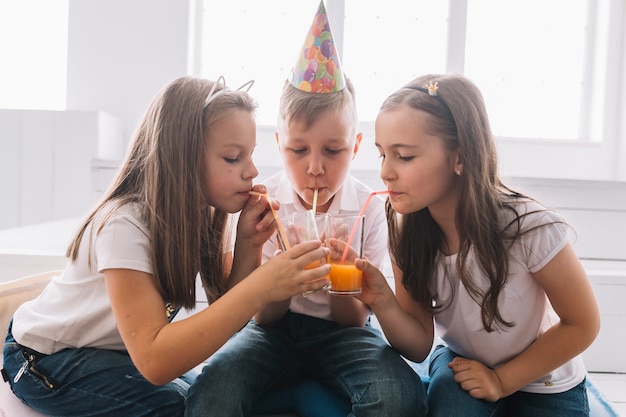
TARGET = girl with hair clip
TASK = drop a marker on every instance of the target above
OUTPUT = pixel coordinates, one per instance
(491, 270)
(100, 339)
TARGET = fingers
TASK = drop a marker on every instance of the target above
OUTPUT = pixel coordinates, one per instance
(370, 272)
(342, 232)
(337, 248)
(267, 222)
(293, 233)
(366, 267)
(259, 189)
(475, 378)
(314, 286)
(257, 209)
(311, 257)
(306, 248)
(459, 364)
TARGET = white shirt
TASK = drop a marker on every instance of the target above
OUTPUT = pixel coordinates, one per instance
(521, 301)
(350, 198)
(74, 309)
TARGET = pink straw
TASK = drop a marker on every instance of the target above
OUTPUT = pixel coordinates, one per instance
(356, 223)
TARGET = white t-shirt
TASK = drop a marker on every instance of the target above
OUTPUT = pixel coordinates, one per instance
(521, 301)
(74, 309)
(350, 198)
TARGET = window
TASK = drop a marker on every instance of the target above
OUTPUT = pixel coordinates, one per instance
(385, 47)
(33, 43)
(530, 59)
(530, 65)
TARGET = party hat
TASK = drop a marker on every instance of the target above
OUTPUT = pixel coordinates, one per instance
(318, 69)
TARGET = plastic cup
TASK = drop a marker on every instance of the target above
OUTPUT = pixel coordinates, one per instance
(304, 225)
(345, 278)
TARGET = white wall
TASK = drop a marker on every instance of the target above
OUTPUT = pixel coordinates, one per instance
(45, 162)
(121, 52)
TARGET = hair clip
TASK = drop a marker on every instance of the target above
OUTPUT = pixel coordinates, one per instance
(432, 88)
(213, 93)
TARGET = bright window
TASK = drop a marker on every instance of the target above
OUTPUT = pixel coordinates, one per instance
(384, 48)
(251, 39)
(537, 63)
(530, 65)
(33, 44)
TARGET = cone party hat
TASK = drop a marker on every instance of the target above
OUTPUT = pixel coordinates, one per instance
(318, 69)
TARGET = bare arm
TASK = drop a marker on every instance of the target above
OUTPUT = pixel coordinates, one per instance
(348, 311)
(254, 227)
(272, 312)
(566, 284)
(407, 325)
(154, 344)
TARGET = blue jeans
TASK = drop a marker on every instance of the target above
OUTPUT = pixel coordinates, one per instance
(446, 398)
(89, 381)
(356, 363)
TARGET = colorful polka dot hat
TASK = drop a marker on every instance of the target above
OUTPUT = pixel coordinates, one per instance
(318, 69)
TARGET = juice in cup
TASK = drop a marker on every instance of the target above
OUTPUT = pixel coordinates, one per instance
(315, 265)
(303, 226)
(345, 278)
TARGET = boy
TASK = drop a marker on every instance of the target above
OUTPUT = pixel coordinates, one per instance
(321, 337)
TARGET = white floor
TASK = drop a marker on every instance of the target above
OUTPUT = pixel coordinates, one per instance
(613, 386)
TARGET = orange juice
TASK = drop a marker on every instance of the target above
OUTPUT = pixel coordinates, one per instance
(312, 265)
(315, 264)
(345, 279)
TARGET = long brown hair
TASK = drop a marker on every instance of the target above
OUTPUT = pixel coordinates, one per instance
(459, 118)
(163, 173)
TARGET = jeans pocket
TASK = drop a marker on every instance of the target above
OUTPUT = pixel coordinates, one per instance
(30, 367)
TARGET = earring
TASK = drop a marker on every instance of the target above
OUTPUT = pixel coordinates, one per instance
(458, 172)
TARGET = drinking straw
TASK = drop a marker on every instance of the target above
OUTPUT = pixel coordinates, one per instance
(314, 208)
(356, 223)
(281, 232)
(311, 226)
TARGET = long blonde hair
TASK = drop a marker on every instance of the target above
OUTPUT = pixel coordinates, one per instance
(163, 173)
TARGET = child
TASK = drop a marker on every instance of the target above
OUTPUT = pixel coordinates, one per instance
(493, 267)
(319, 336)
(98, 340)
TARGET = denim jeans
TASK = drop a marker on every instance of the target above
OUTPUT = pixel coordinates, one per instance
(355, 362)
(446, 398)
(89, 381)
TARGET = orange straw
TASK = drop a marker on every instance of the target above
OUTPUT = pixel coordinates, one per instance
(281, 232)
(356, 223)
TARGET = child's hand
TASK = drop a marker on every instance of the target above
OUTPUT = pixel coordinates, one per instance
(285, 273)
(375, 288)
(256, 222)
(478, 380)
(337, 248)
